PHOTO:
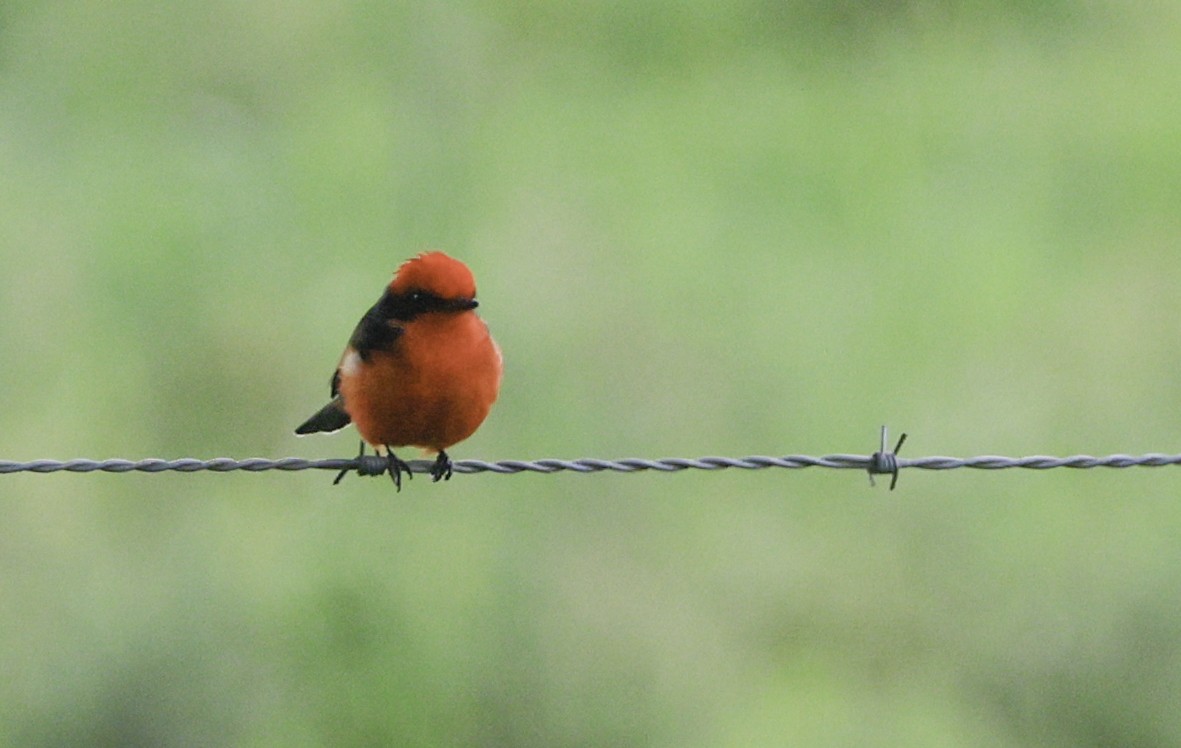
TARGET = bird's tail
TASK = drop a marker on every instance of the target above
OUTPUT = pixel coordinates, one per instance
(329, 418)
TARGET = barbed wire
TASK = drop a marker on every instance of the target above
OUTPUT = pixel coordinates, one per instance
(881, 462)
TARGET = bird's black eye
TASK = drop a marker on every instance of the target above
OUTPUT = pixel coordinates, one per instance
(409, 304)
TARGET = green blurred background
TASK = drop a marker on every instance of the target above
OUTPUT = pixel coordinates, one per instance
(698, 228)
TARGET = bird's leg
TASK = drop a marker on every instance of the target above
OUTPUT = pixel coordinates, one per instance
(441, 470)
(397, 467)
(340, 476)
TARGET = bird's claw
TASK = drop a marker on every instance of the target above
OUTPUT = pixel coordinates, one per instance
(397, 467)
(441, 470)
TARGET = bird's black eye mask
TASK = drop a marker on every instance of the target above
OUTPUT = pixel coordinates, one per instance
(403, 307)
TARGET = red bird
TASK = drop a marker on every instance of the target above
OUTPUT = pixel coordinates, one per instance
(421, 368)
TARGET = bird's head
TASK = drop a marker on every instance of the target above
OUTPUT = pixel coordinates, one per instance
(431, 282)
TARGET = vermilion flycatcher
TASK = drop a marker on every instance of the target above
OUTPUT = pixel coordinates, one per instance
(421, 368)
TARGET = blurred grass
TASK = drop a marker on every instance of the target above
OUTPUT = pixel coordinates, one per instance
(749, 228)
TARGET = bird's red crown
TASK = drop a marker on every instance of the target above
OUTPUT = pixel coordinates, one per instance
(436, 273)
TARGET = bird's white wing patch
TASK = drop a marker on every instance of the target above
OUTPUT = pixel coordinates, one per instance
(350, 364)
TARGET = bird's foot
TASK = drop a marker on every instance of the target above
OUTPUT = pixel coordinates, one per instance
(397, 467)
(441, 470)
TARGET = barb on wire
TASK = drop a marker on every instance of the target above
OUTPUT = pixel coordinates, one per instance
(885, 463)
(882, 462)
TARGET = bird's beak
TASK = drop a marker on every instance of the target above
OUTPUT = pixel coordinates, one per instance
(463, 305)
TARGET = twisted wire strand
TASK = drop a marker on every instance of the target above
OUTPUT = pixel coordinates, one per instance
(371, 465)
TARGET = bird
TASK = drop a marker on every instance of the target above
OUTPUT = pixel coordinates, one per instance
(420, 370)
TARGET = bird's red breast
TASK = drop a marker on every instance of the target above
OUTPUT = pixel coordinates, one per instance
(432, 389)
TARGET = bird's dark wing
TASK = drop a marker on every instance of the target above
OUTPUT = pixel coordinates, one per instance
(375, 332)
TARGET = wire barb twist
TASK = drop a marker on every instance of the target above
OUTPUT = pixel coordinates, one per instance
(885, 463)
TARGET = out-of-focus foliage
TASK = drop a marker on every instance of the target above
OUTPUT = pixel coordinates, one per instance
(698, 227)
